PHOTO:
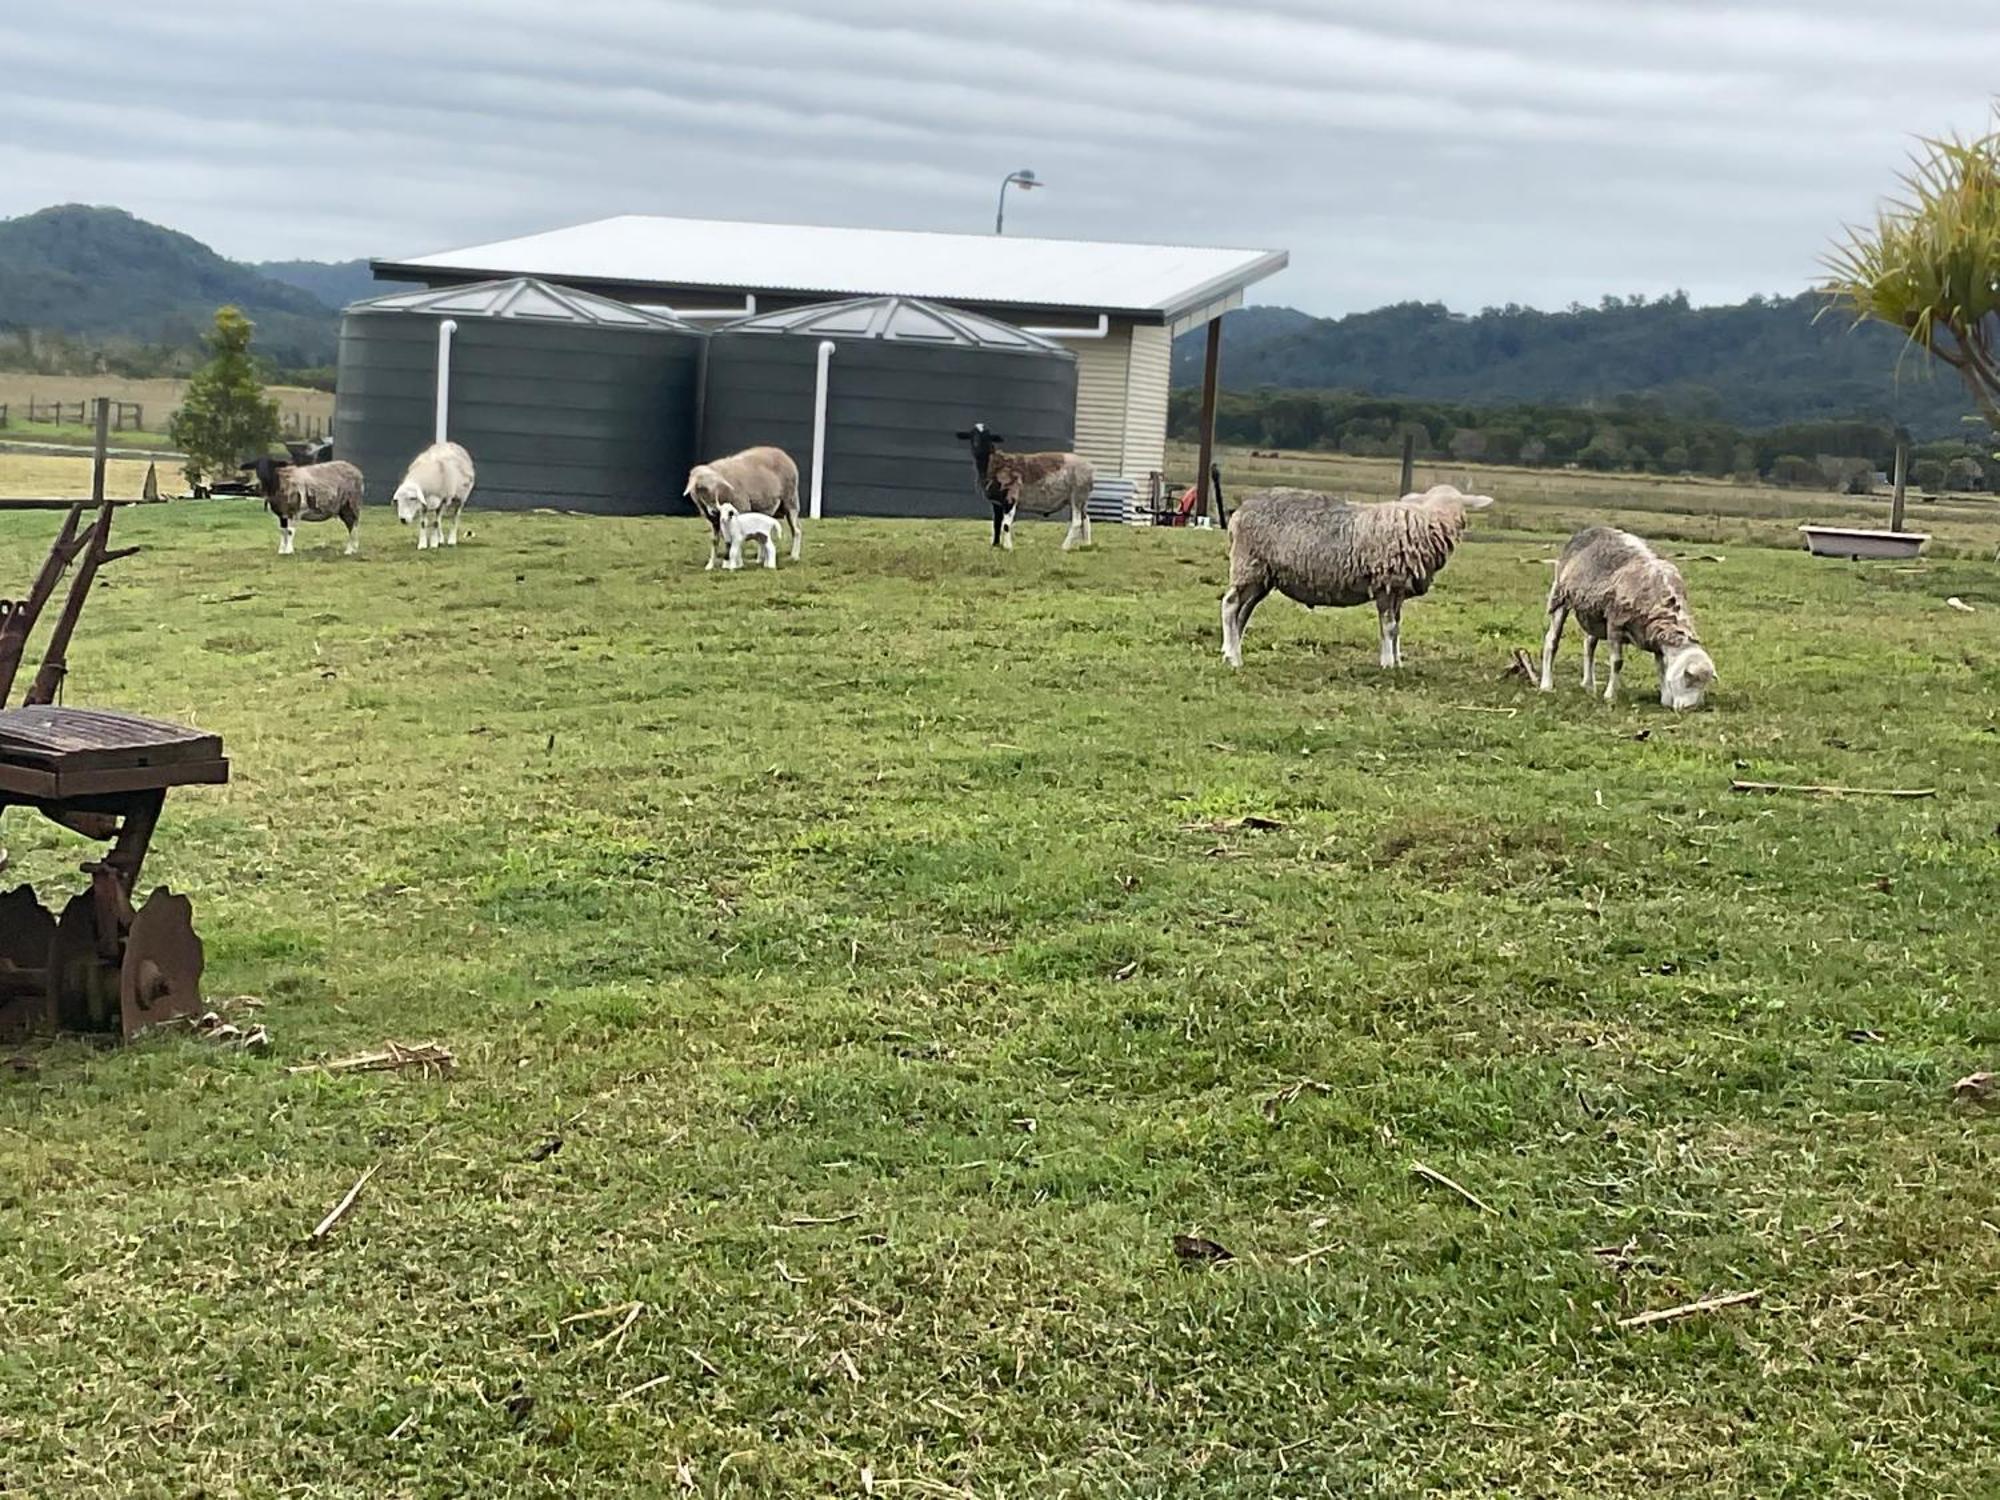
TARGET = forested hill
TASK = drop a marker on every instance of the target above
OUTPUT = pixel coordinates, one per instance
(101, 274)
(1755, 364)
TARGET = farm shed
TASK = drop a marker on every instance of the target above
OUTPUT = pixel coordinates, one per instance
(900, 378)
(563, 398)
(1117, 306)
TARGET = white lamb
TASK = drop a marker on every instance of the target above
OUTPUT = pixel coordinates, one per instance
(436, 485)
(1321, 550)
(734, 527)
(1622, 591)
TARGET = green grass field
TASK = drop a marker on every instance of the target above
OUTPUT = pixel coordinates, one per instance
(880, 940)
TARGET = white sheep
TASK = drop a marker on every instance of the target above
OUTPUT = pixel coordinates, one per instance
(1622, 591)
(309, 492)
(1043, 483)
(436, 485)
(735, 527)
(764, 480)
(1321, 550)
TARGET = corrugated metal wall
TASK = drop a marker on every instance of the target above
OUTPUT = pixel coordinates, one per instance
(1151, 371)
(892, 410)
(581, 418)
(1101, 366)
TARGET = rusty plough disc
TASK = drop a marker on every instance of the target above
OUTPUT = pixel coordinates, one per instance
(161, 977)
(27, 933)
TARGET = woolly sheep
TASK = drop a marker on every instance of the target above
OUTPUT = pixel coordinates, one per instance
(1321, 550)
(309, 492)
(435, 485)
(733, 528)
(764, 480)
(1043, 482)
(1622, 591)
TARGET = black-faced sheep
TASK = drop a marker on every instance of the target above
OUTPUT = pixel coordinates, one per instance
(1041, 483)
(309, 492)
(1622, 591)
(764, 480)
(435, 486)
(1321, 550)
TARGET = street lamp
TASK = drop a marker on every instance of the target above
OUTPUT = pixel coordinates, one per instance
(1023, 179)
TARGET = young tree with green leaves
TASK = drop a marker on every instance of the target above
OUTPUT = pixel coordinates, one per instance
(1930, 264)
(225, 416)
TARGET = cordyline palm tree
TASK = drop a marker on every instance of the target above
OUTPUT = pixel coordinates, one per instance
(1930, 265)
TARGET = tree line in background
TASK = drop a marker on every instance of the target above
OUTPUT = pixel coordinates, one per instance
(1630, 434)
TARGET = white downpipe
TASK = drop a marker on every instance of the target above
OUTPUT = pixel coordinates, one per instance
(1101, 331)
(445, 330)
(819, 427)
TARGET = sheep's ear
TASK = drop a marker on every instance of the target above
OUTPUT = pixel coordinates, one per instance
(694, 478)
(963, 437)
(1476, 502)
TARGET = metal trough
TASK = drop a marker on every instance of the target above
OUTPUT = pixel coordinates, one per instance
(1844, 541)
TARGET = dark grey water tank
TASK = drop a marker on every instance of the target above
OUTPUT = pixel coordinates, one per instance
(563, 399)
(905, 375)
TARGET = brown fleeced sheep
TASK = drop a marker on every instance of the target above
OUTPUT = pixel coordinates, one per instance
(309, 492)
(764, 480)
(1622, 591)
(1042, 483)
(1322, 550)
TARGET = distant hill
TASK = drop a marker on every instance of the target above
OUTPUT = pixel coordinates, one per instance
(101, 273)
(1758, 363)
(334, 282)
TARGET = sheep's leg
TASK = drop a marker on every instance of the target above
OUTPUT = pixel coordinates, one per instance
(284, 537)
(452, 539)
(1396, 630)
(1079, 527)
(1385, 620)
(769, 547)
(1589, 662)
(798, 536)
(1003, 523)
(1237, 604)
(1617, 665)
(1558, 617)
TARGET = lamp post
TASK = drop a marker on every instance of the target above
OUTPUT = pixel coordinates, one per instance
(1023, 179)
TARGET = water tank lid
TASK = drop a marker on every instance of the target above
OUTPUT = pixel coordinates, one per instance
(904, 319)
(526, 298)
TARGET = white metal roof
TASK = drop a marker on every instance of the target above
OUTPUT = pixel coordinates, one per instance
(1160, 281)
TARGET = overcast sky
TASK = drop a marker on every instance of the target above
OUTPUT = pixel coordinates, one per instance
(1466, 151)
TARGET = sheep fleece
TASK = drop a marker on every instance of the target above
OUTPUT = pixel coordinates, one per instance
(1320, 550)
(1612, 581)
(319, 492)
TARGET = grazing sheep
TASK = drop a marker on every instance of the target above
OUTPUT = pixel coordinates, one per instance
(1320, 550)
(309, 492)
(764, 480)
(436, 484)
(1042, 482)
(1622, 591)
(734, 527)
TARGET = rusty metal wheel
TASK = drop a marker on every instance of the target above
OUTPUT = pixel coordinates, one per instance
(27, 933)
(83, 989)
(161, 976)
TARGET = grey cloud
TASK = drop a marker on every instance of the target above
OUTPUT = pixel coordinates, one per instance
(1538, 151)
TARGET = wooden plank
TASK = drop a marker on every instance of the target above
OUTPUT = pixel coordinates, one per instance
(36, 784)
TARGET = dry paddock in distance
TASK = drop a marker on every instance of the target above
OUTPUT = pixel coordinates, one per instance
(856, 976)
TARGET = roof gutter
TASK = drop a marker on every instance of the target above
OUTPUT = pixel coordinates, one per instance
(1101, 331)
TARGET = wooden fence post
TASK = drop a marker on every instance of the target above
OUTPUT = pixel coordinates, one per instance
(1902, 469)
(1409, 480)
(103, 442)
